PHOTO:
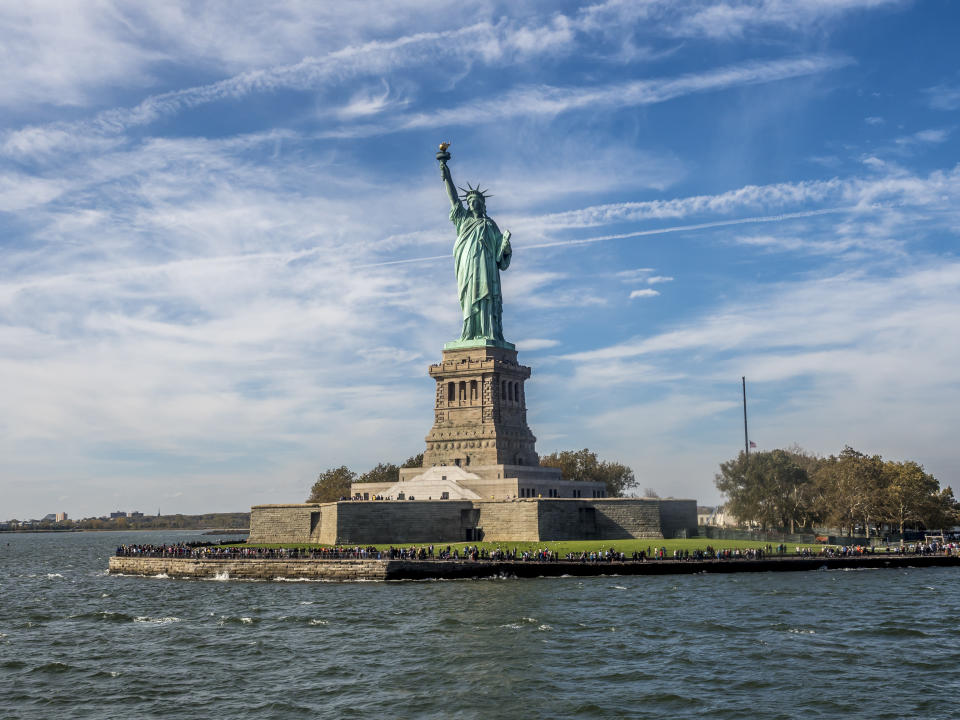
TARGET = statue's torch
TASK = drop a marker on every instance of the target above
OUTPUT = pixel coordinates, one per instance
(443, 155)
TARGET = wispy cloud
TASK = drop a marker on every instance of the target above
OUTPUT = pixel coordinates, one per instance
(944, 97)
(731, 20)
(895, 187)
(645, 293)
(931, 136)
(480, 42)
(533, 344)
(552, 100)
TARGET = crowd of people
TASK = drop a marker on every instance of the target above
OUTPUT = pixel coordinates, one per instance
(210, 551)
(207, 551)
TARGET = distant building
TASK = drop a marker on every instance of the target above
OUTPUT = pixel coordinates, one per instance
(49, 517)
(717, 517)
(117, 514)
(60, 517)
(136, 514)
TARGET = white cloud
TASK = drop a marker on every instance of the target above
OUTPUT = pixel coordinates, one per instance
(931, 136)
(19, 191)
(656, 279)
(944, 97)
(646, 292)
(634, 274)
(532, 344)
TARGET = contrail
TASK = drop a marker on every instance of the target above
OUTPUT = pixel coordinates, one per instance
(408, 260)
(643, 233)
(698, 226)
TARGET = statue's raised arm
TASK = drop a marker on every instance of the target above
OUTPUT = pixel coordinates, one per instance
(442, 158)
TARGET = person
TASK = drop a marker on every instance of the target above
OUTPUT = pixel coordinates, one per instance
(481, 251)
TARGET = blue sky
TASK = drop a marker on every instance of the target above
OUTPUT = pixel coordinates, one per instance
(226, 259)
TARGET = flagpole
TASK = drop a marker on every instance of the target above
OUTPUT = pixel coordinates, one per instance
(746, 439)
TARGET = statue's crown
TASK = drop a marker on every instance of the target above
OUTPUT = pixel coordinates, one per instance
(473, 191)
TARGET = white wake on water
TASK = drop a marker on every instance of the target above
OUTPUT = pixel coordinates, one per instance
(157, 620)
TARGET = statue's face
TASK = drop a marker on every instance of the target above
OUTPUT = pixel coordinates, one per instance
(476, 204)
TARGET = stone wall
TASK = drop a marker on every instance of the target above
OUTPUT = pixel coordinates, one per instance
(600, 519)
(513, 520)
(437, 521)
(352, 570)
(292, 523)
(678, 518)
(628, 518)
(411, 521)
(250, 569)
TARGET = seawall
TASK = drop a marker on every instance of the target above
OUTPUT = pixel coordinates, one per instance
(356, 570)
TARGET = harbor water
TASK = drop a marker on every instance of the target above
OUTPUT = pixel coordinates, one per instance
(76, 642)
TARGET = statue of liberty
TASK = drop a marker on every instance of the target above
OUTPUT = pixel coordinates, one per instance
(479, 254)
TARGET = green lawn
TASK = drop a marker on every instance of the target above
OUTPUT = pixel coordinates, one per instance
(578, 546)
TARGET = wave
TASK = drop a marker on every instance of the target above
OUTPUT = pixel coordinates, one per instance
(228, 619)
(52, 667)
(156, 620)
(104, 616)
(299, 579)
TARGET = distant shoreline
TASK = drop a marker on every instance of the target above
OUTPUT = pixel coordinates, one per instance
(205, 531)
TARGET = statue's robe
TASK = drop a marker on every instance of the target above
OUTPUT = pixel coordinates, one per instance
(479, 255)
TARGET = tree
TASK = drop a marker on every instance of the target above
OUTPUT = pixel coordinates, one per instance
(584, 466)
(945, 511)
(382, 473)
(414, 461)
(332, 484)
(852, 486)
(911, 494)
(770, 488)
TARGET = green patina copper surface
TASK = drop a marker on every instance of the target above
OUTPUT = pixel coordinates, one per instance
(480, 252)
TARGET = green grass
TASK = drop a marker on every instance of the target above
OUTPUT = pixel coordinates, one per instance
(578, 546)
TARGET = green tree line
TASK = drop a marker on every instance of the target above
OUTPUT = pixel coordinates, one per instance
(790, 489)
(578, 465)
